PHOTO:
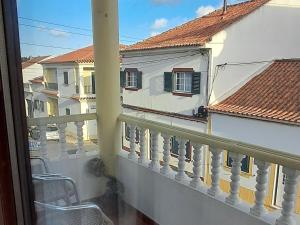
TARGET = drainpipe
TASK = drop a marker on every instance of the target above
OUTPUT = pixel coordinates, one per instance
(107, 70)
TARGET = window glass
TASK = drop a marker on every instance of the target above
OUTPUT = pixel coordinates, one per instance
(66, 78)
(68, 111)
(131, 79)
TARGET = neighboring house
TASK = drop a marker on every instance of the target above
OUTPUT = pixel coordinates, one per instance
(70, 87)
(169, 77)
(35, 100)
(265, 111)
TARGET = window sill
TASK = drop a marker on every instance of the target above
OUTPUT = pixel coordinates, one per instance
(182, 94)
(131, 89)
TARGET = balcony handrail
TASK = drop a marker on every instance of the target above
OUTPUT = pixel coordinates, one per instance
(61, 119)
(263, 153)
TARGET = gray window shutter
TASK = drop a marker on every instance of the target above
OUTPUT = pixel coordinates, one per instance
(139, 80)
(168, 81)
(196, 82)
(122, 78)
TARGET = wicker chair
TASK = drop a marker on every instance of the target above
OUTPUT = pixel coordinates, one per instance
(84, 214)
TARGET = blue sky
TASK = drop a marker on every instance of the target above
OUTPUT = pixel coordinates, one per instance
(139, 19)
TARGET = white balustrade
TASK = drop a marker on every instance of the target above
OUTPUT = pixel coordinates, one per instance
(197, 163)
(79, 127)
(132, 138)
(143, 152)
(62, 140)
(215, 171)
(289, 197)
(43, 141)
(166, 169)
(261, 184)
(154, 164)
(181, 175)
(233, 197)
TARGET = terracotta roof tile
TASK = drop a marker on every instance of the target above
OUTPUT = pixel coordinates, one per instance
(199, 31)
(83, 55)
(272, 95)
(33, 61)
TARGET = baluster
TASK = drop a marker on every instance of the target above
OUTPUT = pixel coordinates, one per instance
(43, 140)
(166, 169)
(143, 153)
(233, 197)
(215, 171)
(289, 197)
(181, 175)
(132, 138)
(79, 126)
(197, 158)
(62, 140)
(261, 185)
(154, 164)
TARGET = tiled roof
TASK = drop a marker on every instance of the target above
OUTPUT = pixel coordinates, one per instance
(32, 61)
(83, 55)
(272, 95)
(199, 31)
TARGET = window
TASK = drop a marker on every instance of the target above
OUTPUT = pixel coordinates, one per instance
(66, 77)
(183, 82)
(127, 134)
(36, 104)
(131, 79)
(68, 111)
(175, 149)
(245, 163)
(93, 83)
(42, 106)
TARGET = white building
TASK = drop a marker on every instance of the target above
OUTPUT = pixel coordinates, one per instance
(35, 100)
(70, 87)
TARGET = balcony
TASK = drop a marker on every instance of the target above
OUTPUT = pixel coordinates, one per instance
(51, 86)
(165, 194)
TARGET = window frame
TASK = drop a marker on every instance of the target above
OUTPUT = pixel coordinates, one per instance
(243, 173)
(128, 74)
(185, 82)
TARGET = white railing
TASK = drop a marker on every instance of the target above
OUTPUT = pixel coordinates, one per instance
(61, 122)
(263, 157)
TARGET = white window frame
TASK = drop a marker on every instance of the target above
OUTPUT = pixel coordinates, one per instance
(131, 79)
(186, 82)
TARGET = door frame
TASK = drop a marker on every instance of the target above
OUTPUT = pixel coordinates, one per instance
(16, 204)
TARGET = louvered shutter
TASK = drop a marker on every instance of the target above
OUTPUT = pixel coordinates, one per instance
(168, 81)
(139, 80)
(122, 78)
(196, 82)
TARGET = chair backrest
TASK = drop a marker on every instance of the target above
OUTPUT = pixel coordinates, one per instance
(56, 189)
(87, 214)
(38, 165)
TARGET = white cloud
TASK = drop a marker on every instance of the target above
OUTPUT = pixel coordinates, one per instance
(203, 10)
(161, 2)
(160, 23)
(58, 33)
(154, 33)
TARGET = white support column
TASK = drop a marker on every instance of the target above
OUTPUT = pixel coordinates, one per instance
(197, 158)
(166, 169)
(181, 175)
(289, 197)
(154, 164)
(107, 70)
(79, 126)
(132, 154)
(62, 140)
(233, 197)
(143, 153)
(215, 171)
(261, 184)
(43, 141)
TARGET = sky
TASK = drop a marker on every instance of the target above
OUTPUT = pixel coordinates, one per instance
(53, 27)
